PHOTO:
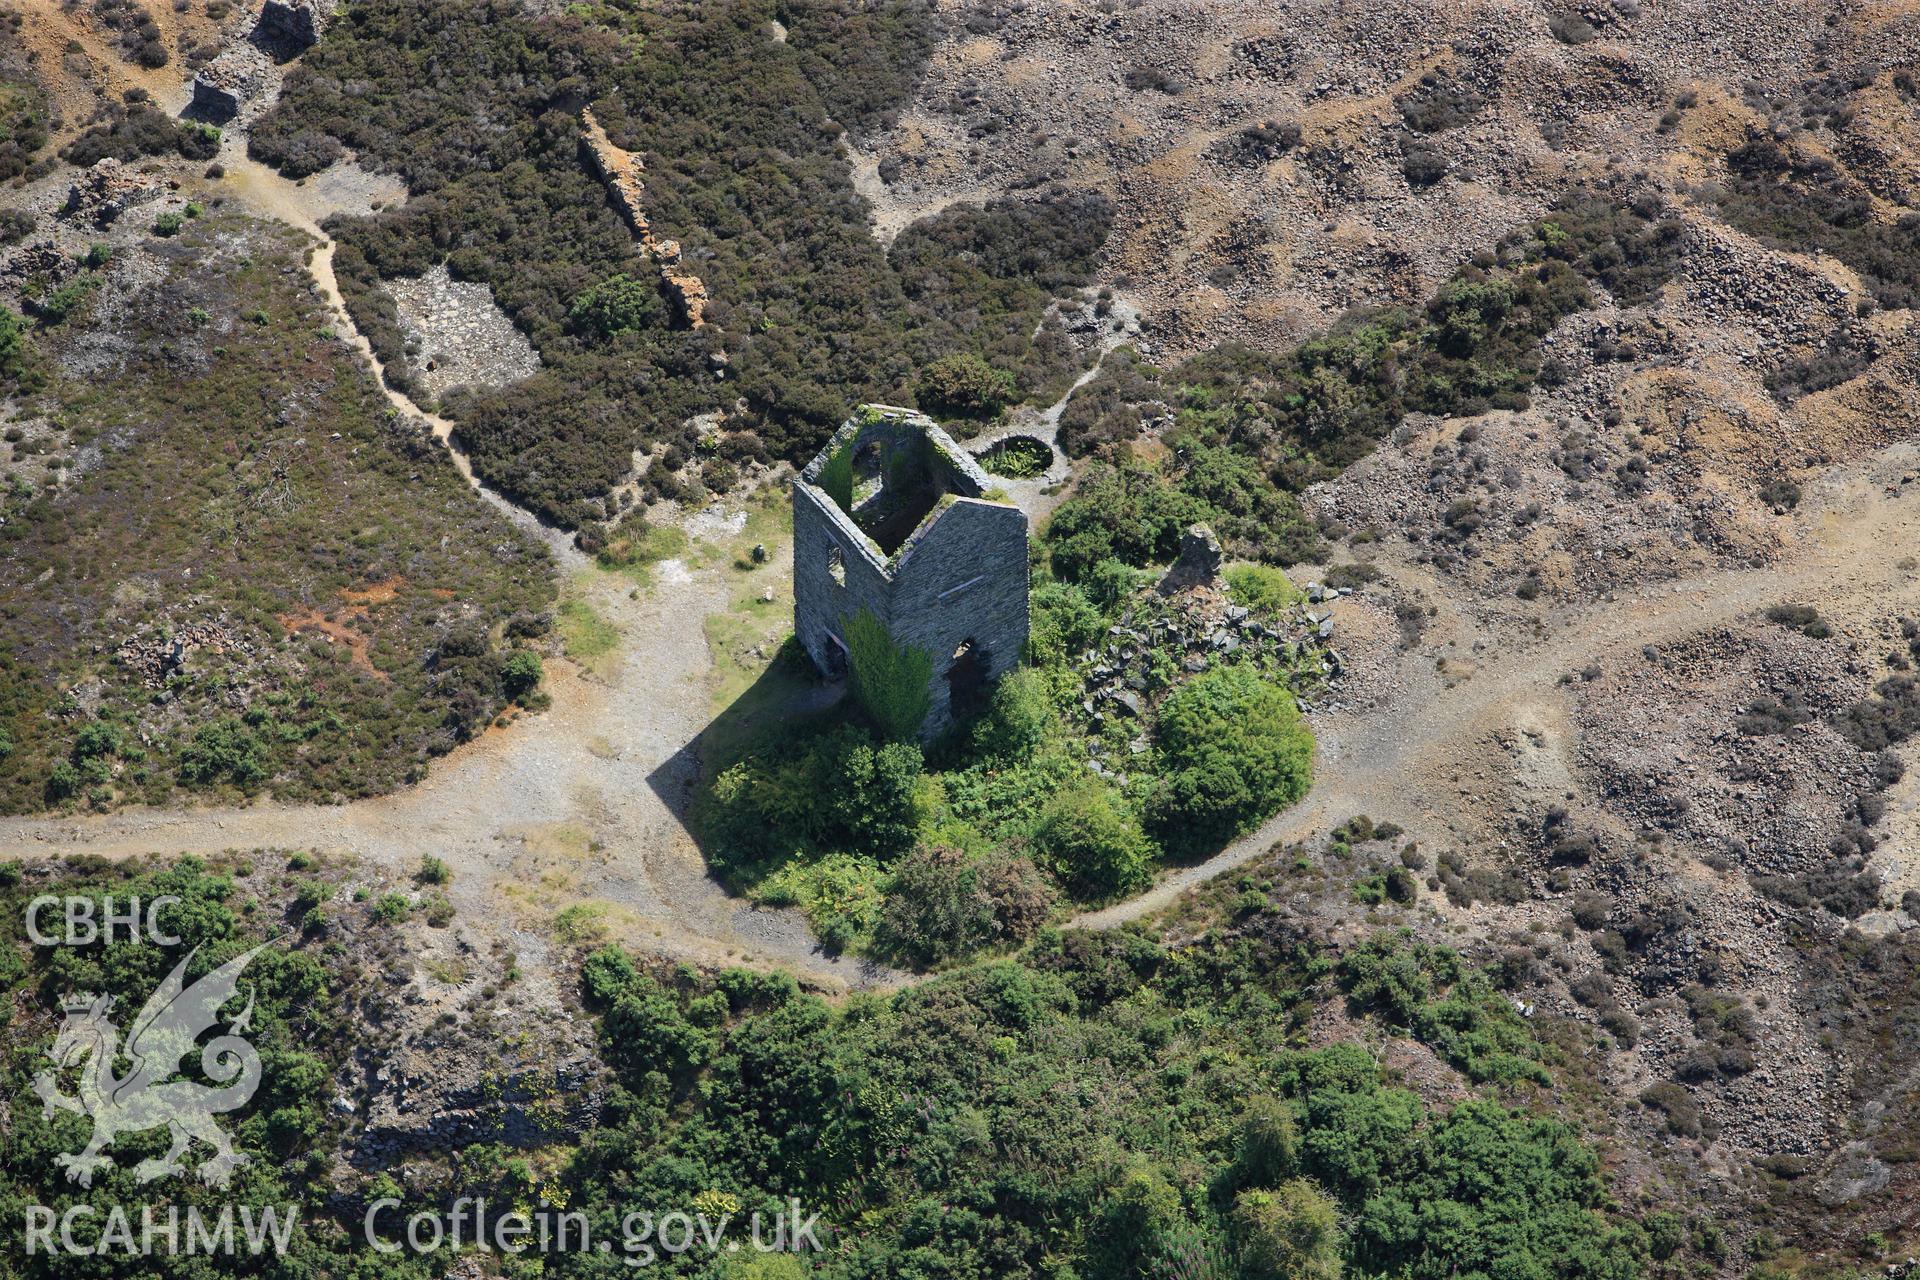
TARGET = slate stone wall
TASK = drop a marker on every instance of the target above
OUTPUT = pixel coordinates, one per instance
(959, 577)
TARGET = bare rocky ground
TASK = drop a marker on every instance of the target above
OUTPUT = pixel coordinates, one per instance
(457, 336)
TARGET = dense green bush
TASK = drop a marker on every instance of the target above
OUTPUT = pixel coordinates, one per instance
(1261, 588)
(1233, 749)
(618, 304)
(837, 790)
(945, 904)
(1124, 511)
(965, 386)
(1094, 844)
(1019, 716)
(521, 673)
(1289, 1233)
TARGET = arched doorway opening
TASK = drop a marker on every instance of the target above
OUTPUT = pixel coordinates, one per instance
(967, 679)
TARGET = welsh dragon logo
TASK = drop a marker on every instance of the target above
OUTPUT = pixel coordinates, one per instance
(162, 1036)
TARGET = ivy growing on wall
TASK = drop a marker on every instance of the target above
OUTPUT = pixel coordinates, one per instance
(890, 682)
(836, 476)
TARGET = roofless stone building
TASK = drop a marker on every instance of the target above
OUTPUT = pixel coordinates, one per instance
(894, 517)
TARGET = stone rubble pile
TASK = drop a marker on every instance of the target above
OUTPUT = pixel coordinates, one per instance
(154, 659)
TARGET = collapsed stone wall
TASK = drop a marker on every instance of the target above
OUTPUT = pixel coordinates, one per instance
(621, 171)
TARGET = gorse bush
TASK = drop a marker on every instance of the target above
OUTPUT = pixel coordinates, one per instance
(1094, 844)
(1233, 748)
(965, 386)
(945, 904)
(618, 304)
(834, 790)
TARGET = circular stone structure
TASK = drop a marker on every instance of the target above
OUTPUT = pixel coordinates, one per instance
(1017, 457)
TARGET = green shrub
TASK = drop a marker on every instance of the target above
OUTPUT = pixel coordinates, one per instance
(1291, 1232)
(63, 780)
(390, 907)
(96, 738)
(1261, 588)
(1093, 843)
(1020, 458)
(223, 751)
(168, 224)
(61, 303)
(617, 304)
(1064, 623)
(1427, 991)
(433, 870)
(1117, 512)
(963, 385)
(1234, 749)
(1019, 714)
(841, 896)
(1269, 1146)
(833, 791)
(891, 683)
(521, 673)
(945, 905)
(13, 343)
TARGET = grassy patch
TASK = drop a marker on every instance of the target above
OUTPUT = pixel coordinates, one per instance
(581, 922)
(635, 546)
(590, 639)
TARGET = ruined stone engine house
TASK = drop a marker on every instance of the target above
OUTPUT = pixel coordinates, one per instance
(894, 517)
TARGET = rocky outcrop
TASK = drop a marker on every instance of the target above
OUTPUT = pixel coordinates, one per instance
(291, 26)
(107, 190)
(155, 657)
(42, 258)
(621, 171)
(1198, 563)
